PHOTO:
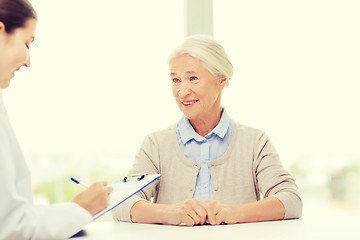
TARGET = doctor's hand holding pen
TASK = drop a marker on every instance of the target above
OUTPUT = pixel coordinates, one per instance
(94, 198)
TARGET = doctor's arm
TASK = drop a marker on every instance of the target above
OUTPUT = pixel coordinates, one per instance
(95, 198)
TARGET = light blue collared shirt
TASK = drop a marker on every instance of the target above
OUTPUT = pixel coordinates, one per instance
(202, 149)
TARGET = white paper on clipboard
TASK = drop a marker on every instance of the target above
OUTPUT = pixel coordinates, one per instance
(124, 190)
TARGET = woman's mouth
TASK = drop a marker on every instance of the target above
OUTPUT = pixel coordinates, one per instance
(188, 103)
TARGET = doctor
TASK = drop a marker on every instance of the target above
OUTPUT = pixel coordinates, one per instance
(19, 217)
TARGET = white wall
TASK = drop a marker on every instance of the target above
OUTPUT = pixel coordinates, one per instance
(297, 75)
(98, 82)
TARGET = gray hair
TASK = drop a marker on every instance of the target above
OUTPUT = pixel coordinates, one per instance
(206, 49)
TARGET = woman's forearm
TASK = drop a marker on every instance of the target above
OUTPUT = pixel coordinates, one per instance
(264, 210)
(191, 212)
(146, 212)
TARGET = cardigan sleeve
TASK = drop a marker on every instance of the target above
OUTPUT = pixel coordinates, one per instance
(146, 161)
(274, 180)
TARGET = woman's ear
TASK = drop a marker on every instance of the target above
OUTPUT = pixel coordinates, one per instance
(222, 81)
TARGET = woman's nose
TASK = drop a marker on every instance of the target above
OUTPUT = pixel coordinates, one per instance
(183, 92)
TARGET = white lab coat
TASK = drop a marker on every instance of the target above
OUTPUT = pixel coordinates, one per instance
(19, 217)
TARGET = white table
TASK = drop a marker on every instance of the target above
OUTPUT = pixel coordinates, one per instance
(339, 228)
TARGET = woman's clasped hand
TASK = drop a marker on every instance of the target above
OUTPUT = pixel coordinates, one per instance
(194, 212)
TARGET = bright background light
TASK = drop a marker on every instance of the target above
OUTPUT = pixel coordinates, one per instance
(99, 82)
(296, 71)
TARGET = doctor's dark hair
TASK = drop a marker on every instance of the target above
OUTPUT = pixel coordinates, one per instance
(15, 13)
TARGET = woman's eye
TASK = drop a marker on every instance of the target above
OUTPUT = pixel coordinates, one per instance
(193, 78)
(175, 81)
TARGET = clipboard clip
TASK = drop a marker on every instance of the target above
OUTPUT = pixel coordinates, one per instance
(136, 176)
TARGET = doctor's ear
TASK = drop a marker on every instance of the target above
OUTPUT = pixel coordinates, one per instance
(2, 27)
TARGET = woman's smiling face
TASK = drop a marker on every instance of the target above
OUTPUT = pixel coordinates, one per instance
(196, 91)
(14, 50)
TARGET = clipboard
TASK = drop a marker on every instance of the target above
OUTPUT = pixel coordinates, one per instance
(126, 188)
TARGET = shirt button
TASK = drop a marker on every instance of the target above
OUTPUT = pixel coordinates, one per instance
(205, 186)
(204, 162)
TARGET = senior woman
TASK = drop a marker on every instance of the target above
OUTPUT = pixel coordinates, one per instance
(214, 170)
(19, 217)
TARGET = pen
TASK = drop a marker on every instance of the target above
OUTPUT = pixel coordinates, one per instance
(77, 182)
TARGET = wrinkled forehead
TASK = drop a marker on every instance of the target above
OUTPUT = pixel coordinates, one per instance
(185, 63)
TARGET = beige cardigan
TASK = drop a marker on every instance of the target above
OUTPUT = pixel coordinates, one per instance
(249, 170)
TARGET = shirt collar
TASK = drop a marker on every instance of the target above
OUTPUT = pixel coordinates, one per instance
(223, 126)
(187, 132)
